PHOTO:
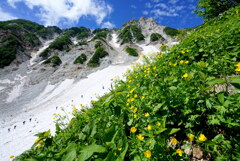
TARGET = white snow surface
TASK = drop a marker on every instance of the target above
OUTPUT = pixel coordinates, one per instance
(64, 94)
(114, 41)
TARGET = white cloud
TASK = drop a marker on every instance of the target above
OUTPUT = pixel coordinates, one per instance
(158, 13)
(161, 5)
(173, 1)
(156, 1)
(5, 16)
(145, 12)
(108, 25)
(148, 5)
(53, 12)
(133, 6)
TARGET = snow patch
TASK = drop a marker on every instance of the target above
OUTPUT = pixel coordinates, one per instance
(114, 41)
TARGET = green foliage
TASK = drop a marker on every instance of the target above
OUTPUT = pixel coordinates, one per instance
(98, 44)
(100, 35)
(100, 30)
(131, 33)
(53, 61)
(45, 53)
(8, 50)
(94, 61)
(82, 43)
(32, 39)
(209, 9)
(170, 31)
(61, 43)
(80, 59)
(156, 37)
(131, 51)
(178, 100)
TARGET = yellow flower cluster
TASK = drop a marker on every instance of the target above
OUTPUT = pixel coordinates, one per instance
(202, 138)
(149, 127)
(133, 129)
(180, 152)
(148, 154)
(12, 156)
(191, 137)
(174, 141)
(140, 137)
(238, 67)
(146, 114)
(185, 75)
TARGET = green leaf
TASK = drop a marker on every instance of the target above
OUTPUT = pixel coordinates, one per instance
(71, 155)
(216, 81)
(221, 98)
(172, 88)
(122, 155)
(173, 131)
(208, 104)
(84, 156)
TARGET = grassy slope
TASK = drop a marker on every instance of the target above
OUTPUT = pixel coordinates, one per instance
(175, 95)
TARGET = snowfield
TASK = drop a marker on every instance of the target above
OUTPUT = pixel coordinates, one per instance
(37, 115)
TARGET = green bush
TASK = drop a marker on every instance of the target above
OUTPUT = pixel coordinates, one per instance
(53, 61)
(131, 51)
(100, 35)
(170, 31)
(61, 43)
(8, 50)
(32, 39)
(94, 61)
(98, 44)
(82, 43)
(80, 59)
(156, 37)
(131, 33)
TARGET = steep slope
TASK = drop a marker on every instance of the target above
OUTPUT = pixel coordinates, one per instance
(19, 37)
(182, 104)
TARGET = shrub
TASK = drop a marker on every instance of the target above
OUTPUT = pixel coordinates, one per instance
(156, 37)
(8, 50)
(45, 53)
(131, 33)
(61, 43)
(53, 61)
(98, 44)
(94, 61)
(170, 31)
(32, 39)
(82, 43)
(80, 59)
(131, 51)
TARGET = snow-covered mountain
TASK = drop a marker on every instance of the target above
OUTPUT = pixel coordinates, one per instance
(52, 68)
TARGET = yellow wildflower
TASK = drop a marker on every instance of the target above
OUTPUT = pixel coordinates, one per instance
(202, 138)
(174, 64)
(133, 129)
(186, 62)
(187, 50)
(119, 149)
(174, 141)
(149, 127)
(128, 100)
(143, 97)
(180, 152)
(147, 154)
(183, 52)
(131, 107)
(74, 110)
(182, 61)
(146, 114)
(115, 154)
(238, 65)
(135, 115)
(135, 96)
(37, 140)
(238, 69)
(158, 124)
(12, 156)
(127, 104)
(132, 90)
(156, 75)
(132, 99)
(140, 137)
(135, 110)
(39, 145)
(191, 137)
(185, 75)
(154, 67)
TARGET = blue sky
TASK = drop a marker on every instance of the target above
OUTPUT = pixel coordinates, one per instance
(101, 13)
